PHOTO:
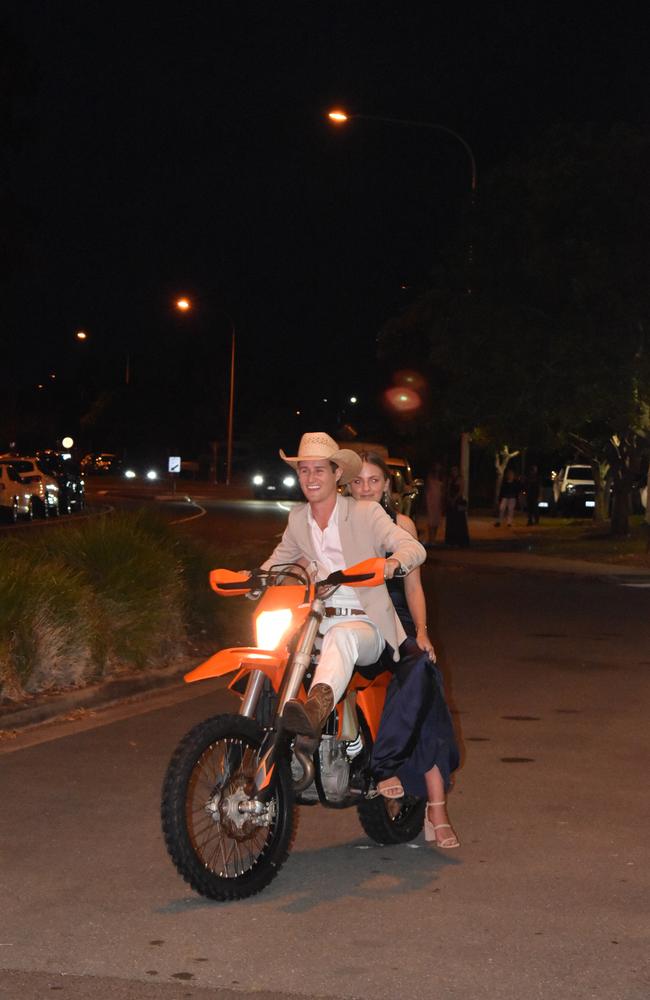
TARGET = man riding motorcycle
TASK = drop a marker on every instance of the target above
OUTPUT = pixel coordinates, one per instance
(330, 533)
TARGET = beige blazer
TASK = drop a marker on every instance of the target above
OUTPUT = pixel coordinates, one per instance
(366, 530)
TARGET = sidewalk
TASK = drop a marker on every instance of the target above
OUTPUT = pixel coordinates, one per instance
(511, 548)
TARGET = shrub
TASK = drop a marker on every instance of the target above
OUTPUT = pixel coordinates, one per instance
(104, 595)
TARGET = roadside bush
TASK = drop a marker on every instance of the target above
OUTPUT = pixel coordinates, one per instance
(105, 595)
(46, 624)
(137, 582)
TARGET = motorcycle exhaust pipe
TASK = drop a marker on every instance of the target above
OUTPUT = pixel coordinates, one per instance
(308, 769)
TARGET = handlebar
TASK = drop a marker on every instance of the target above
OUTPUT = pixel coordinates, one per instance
(252, 583)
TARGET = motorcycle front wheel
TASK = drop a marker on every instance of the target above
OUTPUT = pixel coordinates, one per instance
(220, 848)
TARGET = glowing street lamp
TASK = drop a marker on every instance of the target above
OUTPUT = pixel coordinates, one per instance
(81, 335)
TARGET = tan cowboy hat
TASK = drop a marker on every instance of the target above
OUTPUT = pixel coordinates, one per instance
(319, 445)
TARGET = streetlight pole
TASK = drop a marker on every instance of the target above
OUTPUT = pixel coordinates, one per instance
(341, 117)
(184, 304)
(231, 402)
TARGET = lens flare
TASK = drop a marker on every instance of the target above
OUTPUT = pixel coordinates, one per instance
(402, 399)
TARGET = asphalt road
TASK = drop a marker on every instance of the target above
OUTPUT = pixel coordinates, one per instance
(548, 895)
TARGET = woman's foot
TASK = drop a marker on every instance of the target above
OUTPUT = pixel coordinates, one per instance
(390, 788)
(437, 828)
(392, 792)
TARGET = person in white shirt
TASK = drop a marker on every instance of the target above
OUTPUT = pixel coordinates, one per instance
(330, 533)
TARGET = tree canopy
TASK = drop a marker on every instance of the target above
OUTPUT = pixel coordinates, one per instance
(543, 338)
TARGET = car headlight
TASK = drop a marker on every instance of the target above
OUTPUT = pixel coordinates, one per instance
(129, 474)
(258, 480)
(152, 474)
(270, 626)
(289, 481)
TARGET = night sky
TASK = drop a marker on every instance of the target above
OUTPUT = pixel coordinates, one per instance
(183, 147)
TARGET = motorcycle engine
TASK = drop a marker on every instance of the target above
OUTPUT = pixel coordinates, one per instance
(335, 756)
(334, 768)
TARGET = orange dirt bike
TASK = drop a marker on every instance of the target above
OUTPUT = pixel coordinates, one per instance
(229, 797)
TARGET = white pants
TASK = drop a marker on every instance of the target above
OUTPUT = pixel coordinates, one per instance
(346, 642)
(507, 508)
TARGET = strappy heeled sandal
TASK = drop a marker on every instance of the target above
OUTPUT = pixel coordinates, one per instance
(390, 788)
(430, 830)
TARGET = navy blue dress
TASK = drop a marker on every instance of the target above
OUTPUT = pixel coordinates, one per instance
(415, 731)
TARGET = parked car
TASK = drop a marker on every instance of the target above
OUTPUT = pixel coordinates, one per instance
(15, 496)
(103, 462)
(404, 487)
(43, 488)
(574, 490)
(68, 475)
(546, 502)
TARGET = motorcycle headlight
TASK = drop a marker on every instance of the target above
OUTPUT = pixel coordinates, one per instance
(270, 626)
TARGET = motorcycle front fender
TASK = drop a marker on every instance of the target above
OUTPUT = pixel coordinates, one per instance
(244, 660)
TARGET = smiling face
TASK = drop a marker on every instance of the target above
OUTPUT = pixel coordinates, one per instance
(318, 481)
(369, 484)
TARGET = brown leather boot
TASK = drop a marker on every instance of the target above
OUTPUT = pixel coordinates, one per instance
(308, 718)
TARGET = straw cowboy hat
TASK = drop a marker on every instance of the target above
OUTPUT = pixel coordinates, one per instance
(319, 445)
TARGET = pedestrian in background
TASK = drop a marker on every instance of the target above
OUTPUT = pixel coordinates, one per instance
(531, 492)
(510, 490)
(434, 501)
(456, 533)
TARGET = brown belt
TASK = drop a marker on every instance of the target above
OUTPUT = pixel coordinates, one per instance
(343, 612)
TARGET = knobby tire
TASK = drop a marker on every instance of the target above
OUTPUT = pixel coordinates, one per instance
(216, 864)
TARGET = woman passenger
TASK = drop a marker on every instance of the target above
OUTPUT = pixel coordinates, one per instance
(415, 750)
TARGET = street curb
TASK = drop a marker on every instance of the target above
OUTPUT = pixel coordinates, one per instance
(47, 708)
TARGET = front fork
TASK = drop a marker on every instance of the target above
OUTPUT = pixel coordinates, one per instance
(274, 740)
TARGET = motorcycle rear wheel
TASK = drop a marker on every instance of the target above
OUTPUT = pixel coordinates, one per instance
(386, 829)
(222, 854)
(375, 818)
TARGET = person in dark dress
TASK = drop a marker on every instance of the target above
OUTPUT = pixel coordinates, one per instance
(456, 532)
(532, 492)
(415, 750)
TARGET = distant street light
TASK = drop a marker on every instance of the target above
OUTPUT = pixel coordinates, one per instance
(82, 335)
(184, 304)
(340, 117)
